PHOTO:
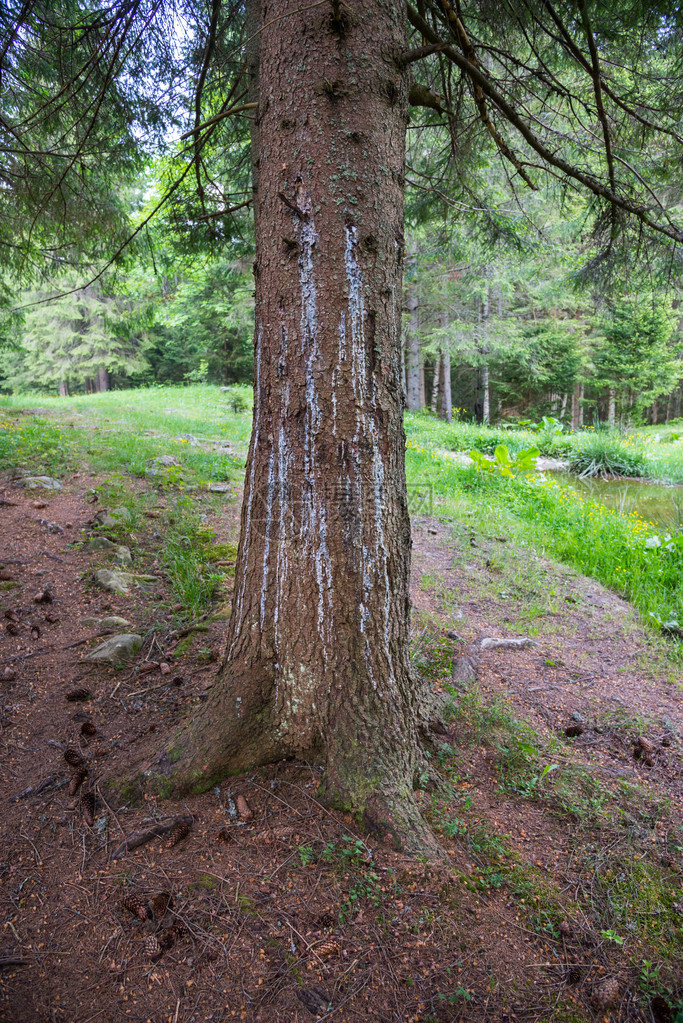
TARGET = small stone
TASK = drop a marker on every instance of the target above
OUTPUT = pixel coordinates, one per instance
(116, 649)
(519, 643)
(166, 461)
(117, 581)
(575, 716)
(9, 675)
(219, 488)
(39, 504)
(165, 668)
(464, 671)
(44, 596)
(565, 928)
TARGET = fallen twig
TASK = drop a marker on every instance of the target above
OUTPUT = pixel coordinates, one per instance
(34, 790)
(138, 838)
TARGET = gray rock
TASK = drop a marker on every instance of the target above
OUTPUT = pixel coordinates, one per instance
(192, 441)
(119, 551)
(116, 648)
(219, 488)
(506, 644)
(114, 517)
(224, 451)
(116, 581)
(40, 483)
(166, 460)
(110, 622)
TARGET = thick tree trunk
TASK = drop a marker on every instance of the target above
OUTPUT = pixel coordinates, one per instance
(655, 412)
(102, 379)
(63, 389)
(414, 369)
(318, 657)
(485, 383)
(677, 404)
(611, 408)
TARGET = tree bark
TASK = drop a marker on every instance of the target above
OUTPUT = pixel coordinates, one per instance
(63, 389)
(435, 382)
(655, 412)
(611, 407)
(446, 404)
(414, 369)
(318, 655)
(485, 383)
(102, 379)
(677, 404)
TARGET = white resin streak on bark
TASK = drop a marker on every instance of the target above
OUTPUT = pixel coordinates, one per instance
(374, 566)
(314, 513)
(239, 604)
(269, 519)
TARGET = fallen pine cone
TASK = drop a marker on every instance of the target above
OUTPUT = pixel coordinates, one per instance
(573, 730)
(177, 834)
(166, 940)
(52, 619)
(44, 596)
(12, 628)
(9, 675)
(78, 695)
(35, 632)
(642, 748)
(225, 836)
(88, 729)
(160, 904)
(136, 905)
(77, 779)
(327, 948)
(73, 757)
(606, 995)
(244, 809)
(152, 947)
(88, 808)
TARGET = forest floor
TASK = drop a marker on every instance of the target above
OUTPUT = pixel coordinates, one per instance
(561, 895)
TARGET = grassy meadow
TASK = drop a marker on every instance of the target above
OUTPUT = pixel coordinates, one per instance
(207, 431)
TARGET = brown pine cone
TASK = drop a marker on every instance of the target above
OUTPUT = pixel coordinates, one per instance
(606, 995)
(73, 756)
(225, 836)
(77, 779)
(136, 905)
(177, 930)
(327, 948)
(78, 695)
(243, 809)
(88, 729)
(152, 947)
(88, 808)
(160, 904)
(177, 834)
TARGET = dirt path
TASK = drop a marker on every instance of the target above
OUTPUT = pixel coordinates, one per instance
(281, 910)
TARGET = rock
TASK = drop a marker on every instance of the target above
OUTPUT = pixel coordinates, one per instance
(116, 581)
(192, 441)
(40, 483)
(464, 671)
(119, 551)
(165, 668)
(224, 451)
(219, 488)
(506, 644)
(111, 622)
(116, 648)
(166, 461)
(575, 716)
(114, 517)
(8, 675)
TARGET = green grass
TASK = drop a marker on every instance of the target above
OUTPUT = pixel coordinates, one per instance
(605, 454)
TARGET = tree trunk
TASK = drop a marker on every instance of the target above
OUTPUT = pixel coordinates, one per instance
(611, 408)
(485, 382)
(414, 370)
(435, 383)
(63, 389)
(677, 404)
(446, 397)
(318, 656)
(102, 379)
(655, 412)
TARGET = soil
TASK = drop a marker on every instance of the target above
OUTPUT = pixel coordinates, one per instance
(283, 910)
